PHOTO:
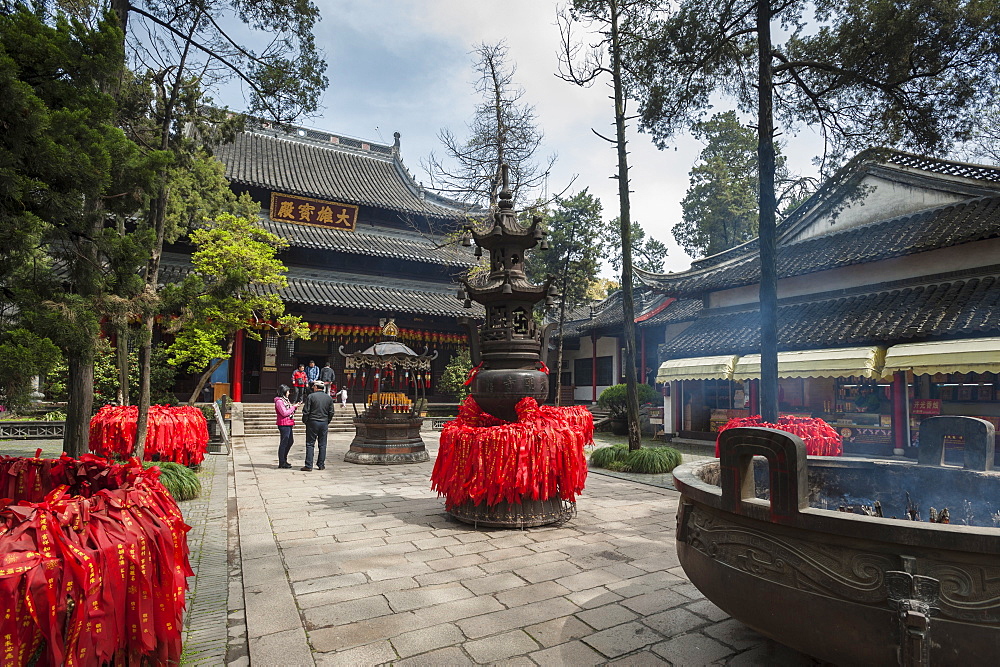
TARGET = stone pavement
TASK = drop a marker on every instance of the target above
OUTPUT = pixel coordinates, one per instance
(360, 565)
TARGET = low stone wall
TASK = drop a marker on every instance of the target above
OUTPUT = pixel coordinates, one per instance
(31, 430)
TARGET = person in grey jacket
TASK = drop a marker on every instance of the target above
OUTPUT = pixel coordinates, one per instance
(327, 376)
(317, 412)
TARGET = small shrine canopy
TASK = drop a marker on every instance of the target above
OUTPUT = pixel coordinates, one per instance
(698, 368)
(974, 355)
(864, 361)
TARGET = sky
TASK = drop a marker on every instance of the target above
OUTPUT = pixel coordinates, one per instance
(407, 66)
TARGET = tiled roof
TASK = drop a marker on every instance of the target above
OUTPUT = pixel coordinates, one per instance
(967, 307)
(610, 314)
(682, 310)
(310, 167)
(374, 243)
(343, 290)
(952, 225)
(391, 296)
(979, 181)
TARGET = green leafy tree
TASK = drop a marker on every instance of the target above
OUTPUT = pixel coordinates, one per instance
(234, 284)
(576, 247)
(456, 372)
(908, 73)
(67, 169)
(648, 254)
(182, 51)
(616, 22)
(23, 356)
(720, 206)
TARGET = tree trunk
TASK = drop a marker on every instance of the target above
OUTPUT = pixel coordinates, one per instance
(766, 201)
(78, 409)
(158, 221)
(121, 356)
(204, 378)
(628, 304)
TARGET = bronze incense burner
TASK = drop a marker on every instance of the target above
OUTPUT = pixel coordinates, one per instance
(763, 539)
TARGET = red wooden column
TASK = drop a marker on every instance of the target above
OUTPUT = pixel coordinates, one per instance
(899, 420)
(593, 363)
(754, 402)
(237, 368)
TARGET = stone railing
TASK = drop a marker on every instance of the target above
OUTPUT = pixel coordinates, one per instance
(31, 430)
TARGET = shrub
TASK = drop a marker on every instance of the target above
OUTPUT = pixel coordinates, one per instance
(603, 456)
(619, 466)
(181, 481)
(614, 399)
(456, 372)
(653, 460)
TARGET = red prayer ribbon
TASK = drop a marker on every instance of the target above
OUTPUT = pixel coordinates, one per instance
(820, 438)
(175, 433)
(540, 456)
(93, 563)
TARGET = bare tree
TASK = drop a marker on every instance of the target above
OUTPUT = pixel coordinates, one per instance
(582, 67)
(503, 130)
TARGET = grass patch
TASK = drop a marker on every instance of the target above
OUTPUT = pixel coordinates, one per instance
(649, 460)
(603, 456)
(181, 481)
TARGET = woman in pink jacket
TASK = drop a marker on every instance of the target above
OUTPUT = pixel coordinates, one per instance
(285, 411)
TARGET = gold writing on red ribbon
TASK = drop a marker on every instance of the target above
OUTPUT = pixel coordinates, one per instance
(306, 211)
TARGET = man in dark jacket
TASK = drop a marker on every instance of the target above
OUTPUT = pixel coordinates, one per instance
(327, 376)
(317, 412)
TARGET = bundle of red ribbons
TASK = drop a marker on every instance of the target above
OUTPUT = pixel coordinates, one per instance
(93, 563)
(821, 439)
(175, 433)
(540, 456)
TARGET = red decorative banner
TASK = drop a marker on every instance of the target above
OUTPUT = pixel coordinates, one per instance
(315, 212)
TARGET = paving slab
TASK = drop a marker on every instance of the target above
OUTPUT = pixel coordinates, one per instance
(361, 565)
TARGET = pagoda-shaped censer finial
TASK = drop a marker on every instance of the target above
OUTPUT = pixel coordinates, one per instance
(506, 350)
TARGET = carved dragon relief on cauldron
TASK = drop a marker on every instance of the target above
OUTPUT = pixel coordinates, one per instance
(970, 593)
(831, 570)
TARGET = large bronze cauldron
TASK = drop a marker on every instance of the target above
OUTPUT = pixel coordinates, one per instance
(847, 588)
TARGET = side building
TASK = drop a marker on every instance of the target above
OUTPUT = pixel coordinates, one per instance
(366, 244)
(888, 311)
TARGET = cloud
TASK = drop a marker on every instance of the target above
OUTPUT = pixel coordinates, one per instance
(406, 65)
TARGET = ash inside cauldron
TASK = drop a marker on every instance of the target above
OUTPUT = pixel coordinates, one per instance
(892, 490)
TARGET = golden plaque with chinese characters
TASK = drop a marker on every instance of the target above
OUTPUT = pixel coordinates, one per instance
(315, 212)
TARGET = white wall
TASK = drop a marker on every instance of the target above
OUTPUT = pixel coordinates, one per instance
(887, 199)
(606, 347)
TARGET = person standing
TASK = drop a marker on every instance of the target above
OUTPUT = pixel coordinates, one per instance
(342, 395)
(327, 376)
(312, 372)
(299, 381)
(317, 413)
(285, 412)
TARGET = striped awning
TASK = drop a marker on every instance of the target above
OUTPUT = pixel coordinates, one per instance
(866, 361)
(970, 355)
(697, 368)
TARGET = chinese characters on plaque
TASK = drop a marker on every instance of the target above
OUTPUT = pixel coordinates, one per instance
(306, 211)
